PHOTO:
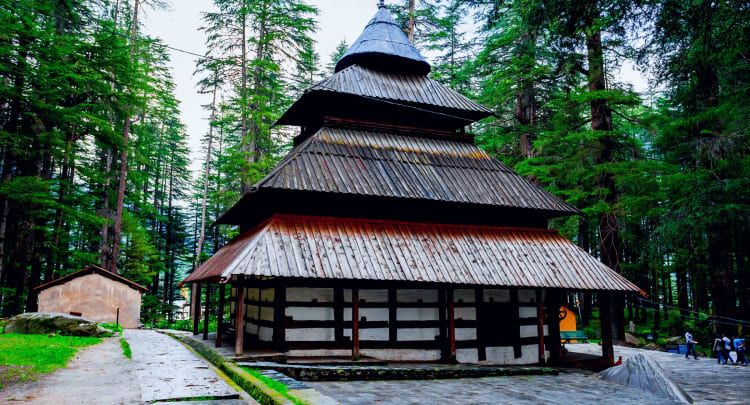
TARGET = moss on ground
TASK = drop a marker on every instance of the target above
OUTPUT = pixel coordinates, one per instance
(126, 348)
(273, 384)
(23, 356)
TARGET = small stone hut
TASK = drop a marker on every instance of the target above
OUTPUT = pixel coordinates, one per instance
(94, 293)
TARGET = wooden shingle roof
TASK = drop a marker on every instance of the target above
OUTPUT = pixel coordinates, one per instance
(384, 164)
(365, 249)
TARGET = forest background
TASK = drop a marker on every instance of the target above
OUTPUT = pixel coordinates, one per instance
(95, 162)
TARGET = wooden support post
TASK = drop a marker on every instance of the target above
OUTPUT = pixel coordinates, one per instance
(515, 323)
(392, 313)
(338, 314)
(279, 316)
(452, 326)
(206, 313)
(239, 321)
(196, 306)
(553, 325)
(481, 346)
(445, 350)
(220, 314)
(355, 324)
(608, 351)
(540, 325)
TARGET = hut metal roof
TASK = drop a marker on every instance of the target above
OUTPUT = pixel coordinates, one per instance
(383, 44)
(91, 270)
(386, 164)
(364, 249)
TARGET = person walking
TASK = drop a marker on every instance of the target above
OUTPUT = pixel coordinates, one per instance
(718, 348)
(690, 343)
(726, 349)
(739, 346)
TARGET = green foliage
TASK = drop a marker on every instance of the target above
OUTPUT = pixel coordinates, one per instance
(27, 355)
(112, 326)
(126, 348)
(273, 384)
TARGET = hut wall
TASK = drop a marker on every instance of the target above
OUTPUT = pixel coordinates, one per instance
(95, 297)
(406, 324)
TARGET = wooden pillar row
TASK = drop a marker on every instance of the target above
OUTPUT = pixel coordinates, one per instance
(196, 306)
(220, 314)
(279, 316)
(206, 313)
(355, 324)
(239, 321)
(392, 313)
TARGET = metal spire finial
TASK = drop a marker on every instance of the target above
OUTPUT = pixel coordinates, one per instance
(381, 4)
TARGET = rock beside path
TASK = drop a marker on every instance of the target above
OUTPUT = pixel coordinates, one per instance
(654, 347)
(641, 372)
(632, 339)
(44, 323)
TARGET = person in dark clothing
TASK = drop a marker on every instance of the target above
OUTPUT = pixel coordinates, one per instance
(690, 342)
(719, 349)
(726, 349)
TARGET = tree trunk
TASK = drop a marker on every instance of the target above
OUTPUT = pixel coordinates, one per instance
(609, 228)
(199, 248)
(411, 20)
(123, 158)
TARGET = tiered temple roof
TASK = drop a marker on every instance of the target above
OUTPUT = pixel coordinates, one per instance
(384, 184)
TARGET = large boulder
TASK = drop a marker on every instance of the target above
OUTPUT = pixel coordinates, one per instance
(642, 372)
(653, 346)
(43, 323)
(630, 339)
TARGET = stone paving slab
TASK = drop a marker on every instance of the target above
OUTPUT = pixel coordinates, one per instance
(566, 388)
(704, 380)
(168, 370)
(397, 371)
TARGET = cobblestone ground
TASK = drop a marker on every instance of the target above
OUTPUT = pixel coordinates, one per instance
(567, 388)
(705, 380)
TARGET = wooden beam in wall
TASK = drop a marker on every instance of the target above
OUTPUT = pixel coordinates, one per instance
(338, 313)
(220, 314)
(392, 313)
(355, 324)
(481, 347)
(514, 323)
(279, 312)
(540, 324)
(196, 306)
(239, 322)
(451, 326)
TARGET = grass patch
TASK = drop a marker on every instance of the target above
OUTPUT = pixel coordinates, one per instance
(273, 384)
(126, 348)
(22, 356)
(112, 326)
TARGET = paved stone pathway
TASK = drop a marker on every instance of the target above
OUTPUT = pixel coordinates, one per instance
(704, 379)
(168, 370)
(567, 388)
(161, 369)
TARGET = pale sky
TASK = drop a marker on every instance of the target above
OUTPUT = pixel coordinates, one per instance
(178, 27)
(338, 19)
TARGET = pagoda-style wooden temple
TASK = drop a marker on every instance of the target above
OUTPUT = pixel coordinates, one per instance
(386, 233)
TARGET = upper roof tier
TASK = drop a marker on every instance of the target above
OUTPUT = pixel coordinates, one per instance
(384, 46)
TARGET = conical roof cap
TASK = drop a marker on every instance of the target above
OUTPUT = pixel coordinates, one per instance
(384, 46)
